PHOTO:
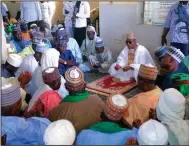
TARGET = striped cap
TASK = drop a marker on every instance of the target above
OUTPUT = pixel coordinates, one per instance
(74, 79)
(50, 74)
(175, 53)
(115, 107)
(148, 72)
(16, 28)
(161, 51)
(10, 94)
(99, 43)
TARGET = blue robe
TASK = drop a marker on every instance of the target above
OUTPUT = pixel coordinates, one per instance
(21, 131)
(5, 73)
(91, 137)
(21, 45)
(167, 82)
(67, 55)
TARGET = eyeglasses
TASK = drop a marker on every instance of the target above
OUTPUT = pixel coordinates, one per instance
(129, 42)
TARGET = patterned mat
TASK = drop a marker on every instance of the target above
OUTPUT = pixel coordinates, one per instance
(108, 85)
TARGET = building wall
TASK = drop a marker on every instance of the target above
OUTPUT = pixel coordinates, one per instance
(126, 17)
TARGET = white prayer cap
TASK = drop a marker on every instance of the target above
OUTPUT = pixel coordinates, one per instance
(175, 53)
(60, 132)
(14, 60)
(41, 47)
(131, 36)
(152, 132)
(50, 58)
(10, 94)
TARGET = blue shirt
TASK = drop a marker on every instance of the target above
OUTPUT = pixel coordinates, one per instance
(67, 55)
(91, 137)
(24, 131)
(167, 82)
(19, 46)
(172, 17)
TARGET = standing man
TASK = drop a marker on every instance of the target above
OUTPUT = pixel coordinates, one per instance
(68, 10)
(30, 12)
(79, 20)
(46, 13)
(177, 22)
(4, 10)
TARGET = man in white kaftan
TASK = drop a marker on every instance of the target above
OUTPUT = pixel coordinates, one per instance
(130, 59)
(46, 13)
(102, 59)
(68, 11)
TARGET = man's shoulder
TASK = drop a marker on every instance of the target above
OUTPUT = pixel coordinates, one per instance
(141, 48)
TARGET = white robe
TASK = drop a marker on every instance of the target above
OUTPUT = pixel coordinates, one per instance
(68, 6)
(141, 56)
(105, 60)
(46, 13)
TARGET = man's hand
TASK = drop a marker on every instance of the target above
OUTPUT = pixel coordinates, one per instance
(69, 62)
(163, 41)
(152, 114)
(3, 139)
(137, 123)
(131, 141)
(127, 68)
(117, 67)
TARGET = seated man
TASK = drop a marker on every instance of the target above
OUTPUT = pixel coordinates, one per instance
(88, 45)
(102, 60)
(110, 131)
(67, 59)
(24, 29)
(170, 111)
(12, 64)
(72, 45)
(46, 98)
(140, 104)
(18, 43)
(79, 107)
(21, 131)
(60, 132)
(173, 62)
(129, 60)
(151, 132)
(159, 54)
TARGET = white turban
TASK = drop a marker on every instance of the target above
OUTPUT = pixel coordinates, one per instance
(170, 111)
(14, 60)
(50, 58)
(60, 132)
(152, 132)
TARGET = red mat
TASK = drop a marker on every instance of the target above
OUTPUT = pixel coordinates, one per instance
(108, 85)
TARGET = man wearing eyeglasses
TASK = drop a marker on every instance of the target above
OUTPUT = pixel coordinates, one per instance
(129, 60)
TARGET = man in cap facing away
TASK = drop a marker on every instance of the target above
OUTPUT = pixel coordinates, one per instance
(75, 106)
(149, 93)
(12, 64)
(151, 132)
(111, 131)
(170, 111)
(60, 132)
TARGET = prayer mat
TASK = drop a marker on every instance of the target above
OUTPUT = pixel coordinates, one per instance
(108, 85)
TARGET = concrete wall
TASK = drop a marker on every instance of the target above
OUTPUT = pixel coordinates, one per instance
(126, 17)
(56, 8)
